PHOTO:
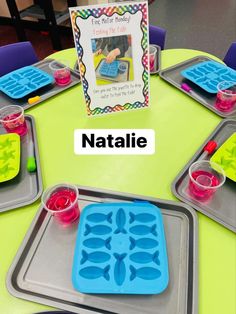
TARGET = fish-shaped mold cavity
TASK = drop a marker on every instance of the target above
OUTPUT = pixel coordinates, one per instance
(120, 221)
(119, 270)
(143, 217)
(143, 243)
(146, 273)
(98, 217)
(93, 272)
(143, 230)
(94, 257)
(98, 230)
(97, 243)
(144, 257)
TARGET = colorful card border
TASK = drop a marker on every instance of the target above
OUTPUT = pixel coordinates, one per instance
(109, 11)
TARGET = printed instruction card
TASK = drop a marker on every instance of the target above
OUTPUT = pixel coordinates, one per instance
(112, 45)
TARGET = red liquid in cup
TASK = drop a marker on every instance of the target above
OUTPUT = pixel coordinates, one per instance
(224, 103)
(203, 193)
(152, 62)
(17, 126)
(62, 77)
(61, 199)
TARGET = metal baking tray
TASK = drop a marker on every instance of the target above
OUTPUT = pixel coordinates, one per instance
(44, 92)
(222, 207)
(172, 75)
(26, 187)
(158, 61)
(41, 270)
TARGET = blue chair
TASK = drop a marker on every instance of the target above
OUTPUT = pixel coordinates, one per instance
(157, 36)
(16, 56)
(230, 57)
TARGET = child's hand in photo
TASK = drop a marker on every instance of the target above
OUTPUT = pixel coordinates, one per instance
(112, 55)
(98, 52)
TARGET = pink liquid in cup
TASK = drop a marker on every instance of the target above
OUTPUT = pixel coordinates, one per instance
(152, 62)
(225, 103)
(14, 125)
(59, 201)
(207, 181)
(62, 76)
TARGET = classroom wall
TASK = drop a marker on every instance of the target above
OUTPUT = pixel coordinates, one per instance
(57, 4)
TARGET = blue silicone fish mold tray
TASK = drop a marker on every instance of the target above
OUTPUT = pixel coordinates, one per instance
(24, 81)
(209, 74)
(120, 249)
(109, 69)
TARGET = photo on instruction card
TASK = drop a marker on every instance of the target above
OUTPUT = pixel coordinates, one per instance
(112, 58)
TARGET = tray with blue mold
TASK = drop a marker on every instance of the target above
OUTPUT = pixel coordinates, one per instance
(174, 77)
(209, 74)
(38, 95)
(24, 81)
(120, 248)
(117, 71)
(41, 270)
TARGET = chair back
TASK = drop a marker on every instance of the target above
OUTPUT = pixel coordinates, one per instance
(157, 36)
(230, 57)
(16, 56)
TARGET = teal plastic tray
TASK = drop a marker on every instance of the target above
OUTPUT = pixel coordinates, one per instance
(209, 74)
(109, 69)
(24, 81)
(120, 249)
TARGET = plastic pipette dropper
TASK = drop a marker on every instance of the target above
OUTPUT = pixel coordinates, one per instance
(189, 90)
(208, 149)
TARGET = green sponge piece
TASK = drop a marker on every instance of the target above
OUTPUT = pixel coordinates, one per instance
(31, 164)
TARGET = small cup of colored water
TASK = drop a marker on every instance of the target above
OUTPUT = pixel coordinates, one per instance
(226, 96)
(61, 72)
(205, 179)
(152, 57)
(122, 68)
(13, 120)
(61, 201)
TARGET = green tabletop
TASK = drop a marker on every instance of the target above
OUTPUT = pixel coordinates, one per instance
(181, 126)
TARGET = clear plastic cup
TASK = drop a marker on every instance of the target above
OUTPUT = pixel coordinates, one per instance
(152, 57)
(205, 179)
(122, 68)
(61, 201)
(226, 96)
(61, 72)
(13, 120)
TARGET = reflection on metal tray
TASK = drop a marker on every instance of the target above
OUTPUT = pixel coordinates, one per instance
(172, 75)
(41, 270)
(26, 187)
(222, 206)
(44, 92)
(158, 61)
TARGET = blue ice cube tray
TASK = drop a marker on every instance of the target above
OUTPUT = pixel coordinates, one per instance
(209, 74)
(120, 249)
(24, 81)
(109, 69)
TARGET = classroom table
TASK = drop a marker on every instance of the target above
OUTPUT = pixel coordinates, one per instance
(181, 126)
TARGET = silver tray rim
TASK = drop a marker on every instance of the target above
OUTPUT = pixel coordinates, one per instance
(40, 181)
(193, 236)
(173, 83)
(183, 170)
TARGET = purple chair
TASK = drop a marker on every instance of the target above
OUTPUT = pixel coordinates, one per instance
(15, 56)
(230, 57)
(157, 36)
